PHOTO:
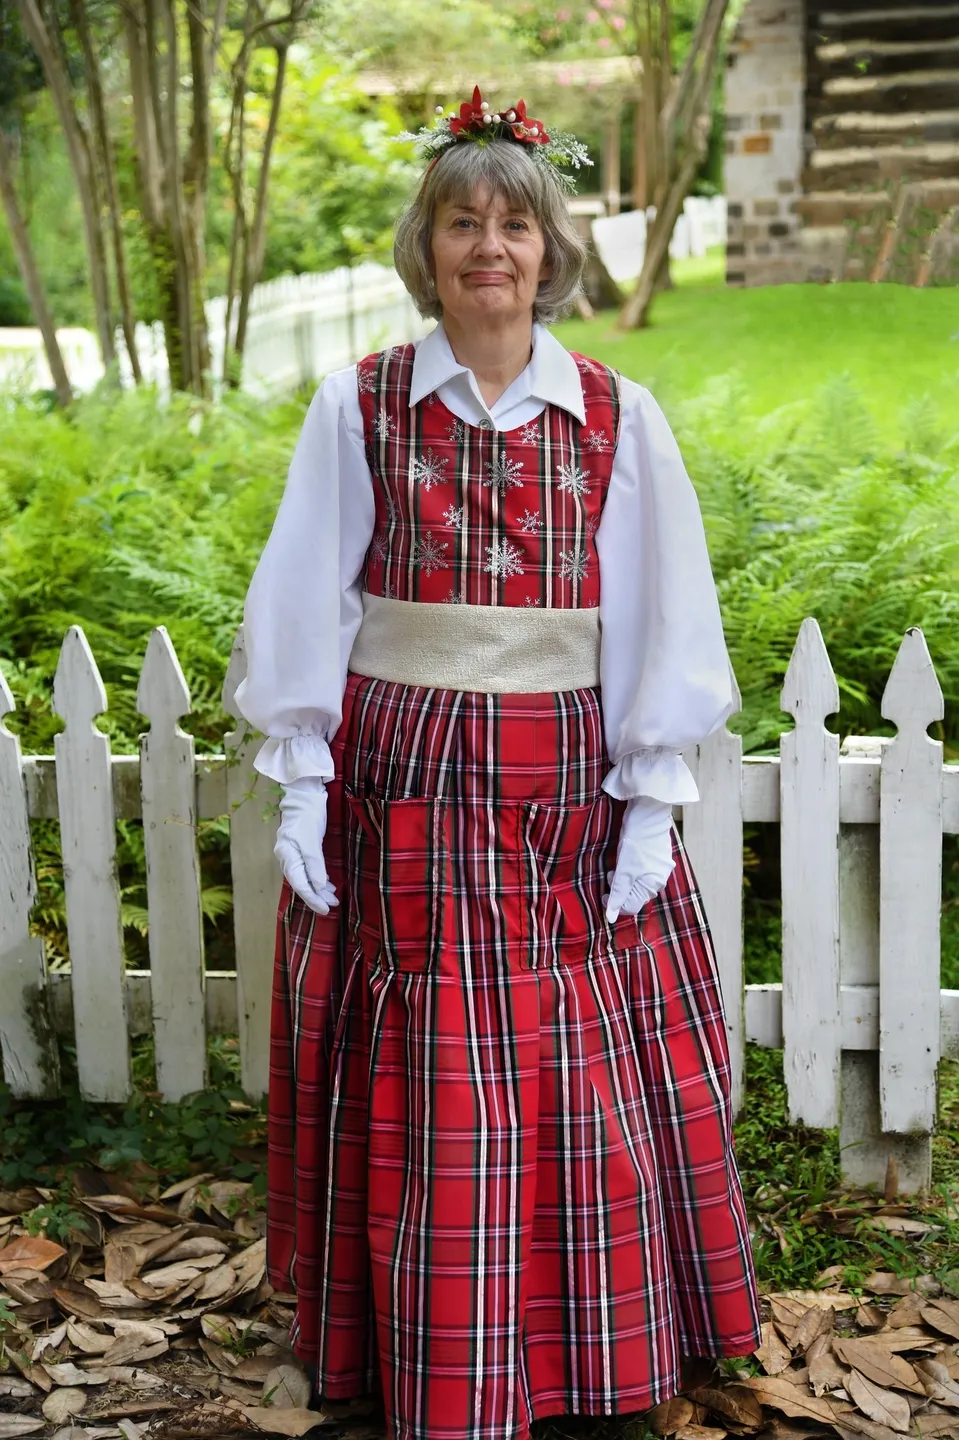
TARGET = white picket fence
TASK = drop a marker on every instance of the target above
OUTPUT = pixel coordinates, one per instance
(301, 328)
(859, 1013)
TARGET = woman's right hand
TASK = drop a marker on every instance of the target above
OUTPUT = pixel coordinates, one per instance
(299, 843)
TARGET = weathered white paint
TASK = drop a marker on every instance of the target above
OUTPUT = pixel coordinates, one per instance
(713, 836)
(809, 798)
(256, 884)
(168, 786)
(88, 845)
(910, 892)
(27, 1047)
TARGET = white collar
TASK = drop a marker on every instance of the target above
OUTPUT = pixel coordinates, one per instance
(551, 374)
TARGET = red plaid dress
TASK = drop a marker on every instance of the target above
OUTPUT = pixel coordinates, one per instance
(501, 1176)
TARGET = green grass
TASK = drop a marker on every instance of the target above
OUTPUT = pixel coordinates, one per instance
(786, 342)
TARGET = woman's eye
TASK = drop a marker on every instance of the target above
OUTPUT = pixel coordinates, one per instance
(518, 225)
(462, 221)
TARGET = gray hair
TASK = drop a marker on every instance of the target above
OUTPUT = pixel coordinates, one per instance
(505, 168)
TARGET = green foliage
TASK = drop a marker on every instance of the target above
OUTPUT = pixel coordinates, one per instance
(40, 1143)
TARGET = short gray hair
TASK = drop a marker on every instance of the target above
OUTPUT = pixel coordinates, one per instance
(505, 168)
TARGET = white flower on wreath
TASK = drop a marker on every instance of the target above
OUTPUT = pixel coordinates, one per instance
(428, 469)
(503, 560)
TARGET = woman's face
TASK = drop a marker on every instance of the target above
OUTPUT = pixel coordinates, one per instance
(488, 260)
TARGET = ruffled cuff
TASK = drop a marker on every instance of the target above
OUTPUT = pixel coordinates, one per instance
(654, 771)
(295, 757)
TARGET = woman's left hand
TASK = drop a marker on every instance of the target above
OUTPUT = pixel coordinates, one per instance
(644, 860)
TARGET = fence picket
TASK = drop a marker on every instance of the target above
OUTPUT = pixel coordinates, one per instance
(168, 789)
(88, 844)
(910, 892)
(27, 1044)
(809, 788)
(713, 836)
(256, 885)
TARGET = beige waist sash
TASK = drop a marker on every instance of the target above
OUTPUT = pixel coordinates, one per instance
(495, 649)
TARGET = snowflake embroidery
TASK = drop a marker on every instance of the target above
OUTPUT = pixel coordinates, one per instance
(456, 431)
(383, 425)
(428, 553)
(573, 563)
(453, 515)
(378, 549)
(586, 367)
(531, 523)
(366, 381)
(503, 559)
(431, 398)
(596, 440)
(389, 592)
(529, 434)
(590, 527)
(454, 598)
(573, 480)
(503, 474)
(428, 469)
(530, 603)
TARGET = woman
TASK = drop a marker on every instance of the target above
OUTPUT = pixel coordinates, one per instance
(484, 627)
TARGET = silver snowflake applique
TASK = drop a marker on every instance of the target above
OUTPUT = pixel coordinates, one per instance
(428, 553)
(503, 559)
(428, 469)
(586, 367)
(590, 527)
(503, 474)
(530, 433)
(456, 431)
(454, 598)
(453, 515)
(366, 381)
(431, 398)
(383, 424)
(378, 548)
(573, 480)
(531, 603)
(573, 563)
(531, 522)
(596, 440)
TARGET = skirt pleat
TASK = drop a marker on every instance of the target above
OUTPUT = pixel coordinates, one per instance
(501, 1182)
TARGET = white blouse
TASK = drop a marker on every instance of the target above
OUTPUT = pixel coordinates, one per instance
(664, 668)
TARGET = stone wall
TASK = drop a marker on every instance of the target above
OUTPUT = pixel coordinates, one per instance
(765, 125)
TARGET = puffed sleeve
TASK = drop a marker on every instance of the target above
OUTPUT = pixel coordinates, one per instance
(664, 667)
(304, 605)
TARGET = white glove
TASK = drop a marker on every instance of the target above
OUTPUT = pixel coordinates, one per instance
(644, 860)
(299, 842)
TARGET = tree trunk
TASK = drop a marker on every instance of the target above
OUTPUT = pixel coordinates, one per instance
(635, 311)
(256, 249)
(29, 273)
(104, 146)
(48, 52)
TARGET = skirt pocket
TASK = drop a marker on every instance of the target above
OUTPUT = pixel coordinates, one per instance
(400, 867)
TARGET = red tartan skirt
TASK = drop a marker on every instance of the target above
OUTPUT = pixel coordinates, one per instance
(501, 1174)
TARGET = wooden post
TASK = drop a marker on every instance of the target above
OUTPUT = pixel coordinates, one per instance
(713, 836)
(27, 1044)
(88, 845)
(168, 791)
(809, 790)
(256, 885)
(910, 870)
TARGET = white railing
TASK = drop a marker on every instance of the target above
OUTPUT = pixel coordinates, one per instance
(301, 327)
(859, 1014)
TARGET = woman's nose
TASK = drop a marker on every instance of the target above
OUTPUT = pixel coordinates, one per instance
(489, 241)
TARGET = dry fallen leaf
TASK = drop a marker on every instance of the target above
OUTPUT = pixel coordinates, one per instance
(825, 1372)
(114, 1296)
(670, 1416)
(877, 1403)
(197, 1245)
(902, 1225)
(818, 1320)
(60, 1405)
(16, 1389)
(772, 1354)
(84, 1337)
(870, 1317)
(70, 1374)
(287, 1387)
(907, 1311)
(780, 1395)
(11, 1425)
(255, 1368)
(733, 1403)
(884, 1282)
(942, 1315)
(294, 1423)
(938, 1383)
(700, 1432)
(878, 1364)
(217, 1283)
(851, 1426)
(29, 1252)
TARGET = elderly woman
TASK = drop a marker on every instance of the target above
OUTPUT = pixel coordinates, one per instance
(501, 1179)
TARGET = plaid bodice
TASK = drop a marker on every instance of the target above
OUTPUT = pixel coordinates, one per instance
(473, 516)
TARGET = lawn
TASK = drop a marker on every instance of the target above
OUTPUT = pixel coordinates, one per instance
(786, 342)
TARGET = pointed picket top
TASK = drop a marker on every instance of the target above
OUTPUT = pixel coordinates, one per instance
(737, 693)
(235, 672)
(912, 699)
(809, 692)
(162, 694)
(78, 691)
(7, 702)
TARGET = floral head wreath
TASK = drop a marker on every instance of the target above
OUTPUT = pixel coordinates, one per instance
(478, 123)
